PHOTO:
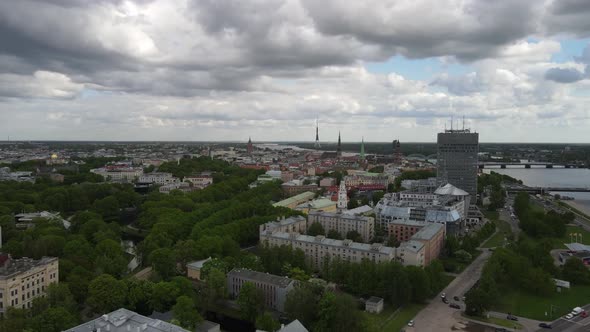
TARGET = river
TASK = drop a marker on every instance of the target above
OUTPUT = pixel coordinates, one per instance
(553, 177)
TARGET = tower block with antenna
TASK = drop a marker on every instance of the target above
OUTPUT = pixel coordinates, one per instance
(317, 135)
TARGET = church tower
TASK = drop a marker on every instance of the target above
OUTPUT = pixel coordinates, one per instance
(339, 148)
(317, 135)
(362, 155)
(249, 147)
(342, 196)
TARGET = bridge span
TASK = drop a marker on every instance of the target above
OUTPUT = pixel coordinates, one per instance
(545, 190)
(528, 165)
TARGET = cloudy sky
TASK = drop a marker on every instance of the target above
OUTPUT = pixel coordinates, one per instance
(517, 70)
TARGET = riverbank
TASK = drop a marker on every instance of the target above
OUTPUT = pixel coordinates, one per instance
(583, 208)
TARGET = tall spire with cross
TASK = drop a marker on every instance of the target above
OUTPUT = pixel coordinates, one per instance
(362, 155)
(339, 148)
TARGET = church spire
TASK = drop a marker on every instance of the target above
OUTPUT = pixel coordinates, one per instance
(339, 148)
(317, 135)
(362, 155)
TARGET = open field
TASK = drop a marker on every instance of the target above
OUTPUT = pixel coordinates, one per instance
(535, 307)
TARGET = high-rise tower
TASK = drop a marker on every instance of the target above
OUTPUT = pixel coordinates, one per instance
(317, 135)
(342, 196)
(339, 148)
(457, 159)
(397, 152)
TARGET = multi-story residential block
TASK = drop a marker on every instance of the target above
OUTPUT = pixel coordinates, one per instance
(158, 178)
(327, 182)
(320, 204)
(411, 253)
(123, 320)
(24, 279)
(292, 188)
(403, 229)
(432, 236)
(344, 223)
(367, 178)
(274, 288)
(289, 225)
(317, 248)
(457, 159)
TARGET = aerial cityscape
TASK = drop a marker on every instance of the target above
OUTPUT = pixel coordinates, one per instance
(294, 166)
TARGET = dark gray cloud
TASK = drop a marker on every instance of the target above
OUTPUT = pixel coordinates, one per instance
(569, 17)
(564, 75)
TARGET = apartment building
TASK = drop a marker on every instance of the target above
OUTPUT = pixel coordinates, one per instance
(119, 174)
(317, 248)
(200, 181)
(293, 224)
(432, 236)
(158, 178)
(344, 223)
(24, 279)
(122, 320)
(273, 287)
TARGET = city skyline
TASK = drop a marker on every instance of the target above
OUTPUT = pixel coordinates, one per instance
(221, 71)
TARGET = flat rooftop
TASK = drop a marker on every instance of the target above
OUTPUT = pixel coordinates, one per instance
(260, 276)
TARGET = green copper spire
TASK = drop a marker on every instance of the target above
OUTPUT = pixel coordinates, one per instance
(362, 156)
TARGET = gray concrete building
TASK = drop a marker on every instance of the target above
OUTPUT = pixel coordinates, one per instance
(457, 160)
(123, 320)
(274, 288)
(344, 223)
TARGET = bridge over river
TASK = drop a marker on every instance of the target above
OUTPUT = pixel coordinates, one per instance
(528, 165)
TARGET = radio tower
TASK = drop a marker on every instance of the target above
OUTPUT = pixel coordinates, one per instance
(317, 135)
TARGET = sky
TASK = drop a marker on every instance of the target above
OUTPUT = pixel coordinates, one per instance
(198, 70)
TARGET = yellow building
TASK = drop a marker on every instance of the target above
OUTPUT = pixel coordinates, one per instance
(24, 279)
(320, 204)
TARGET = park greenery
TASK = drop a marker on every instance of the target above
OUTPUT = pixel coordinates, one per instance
(526, 266)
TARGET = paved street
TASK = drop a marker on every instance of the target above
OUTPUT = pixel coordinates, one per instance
(438, 316)
(576, 324)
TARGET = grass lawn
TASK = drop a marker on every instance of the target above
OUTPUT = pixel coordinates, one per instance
(495, 241)
(533, 306)
(498, 321)
(585, 239)
(381, 322)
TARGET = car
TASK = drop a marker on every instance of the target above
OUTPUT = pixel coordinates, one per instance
(545, 325)
(411, 323)
(569, 316)
(456, 298)
(443, 295)
(463, 299)
(584, 314)
(445, 300)
(500, 329)
(455, 306)
(510, 317)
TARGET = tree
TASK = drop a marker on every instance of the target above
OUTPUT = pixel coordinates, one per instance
(334, 234)
(251, 301)
(576, 272)
(54, 320)
(163, 296)
(302, 303)
(420, 284)
(186, 313)
(316, 229)
(139, 295)
(266, 322)
(163, 262)
(354, 236)
(477, 302)
(106, 293)
(59, 295)
(216, 287)
(338, 313)
(107, 207)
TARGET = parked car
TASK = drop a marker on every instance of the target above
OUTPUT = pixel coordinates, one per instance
(455, 306)
(456, 298)
(443, 295)
(445, 300)
(569, 316)
(584, 314)
(500, 329)
(510, 317)
(411, 323)
(545, 325)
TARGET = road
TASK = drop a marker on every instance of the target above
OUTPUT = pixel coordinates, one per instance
(527, 324)
(438, 316)
(576, 324)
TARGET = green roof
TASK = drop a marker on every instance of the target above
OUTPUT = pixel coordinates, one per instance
(297, 198)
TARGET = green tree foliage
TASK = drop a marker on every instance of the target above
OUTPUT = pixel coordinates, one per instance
(106, 294)
(216, 286)
(164, 295)
(54, 320)
(274, 259)
(354, 236)
(163, 262)
(576, 272)
(536, 223)
(186, 312)
(251, 301)
(339, 313)
(334, 234)
(139, 295)
(316, 229)
(59, 295)
(266, 322)
(303, 303)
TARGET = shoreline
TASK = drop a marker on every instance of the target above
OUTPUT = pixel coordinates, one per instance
(576, 205)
